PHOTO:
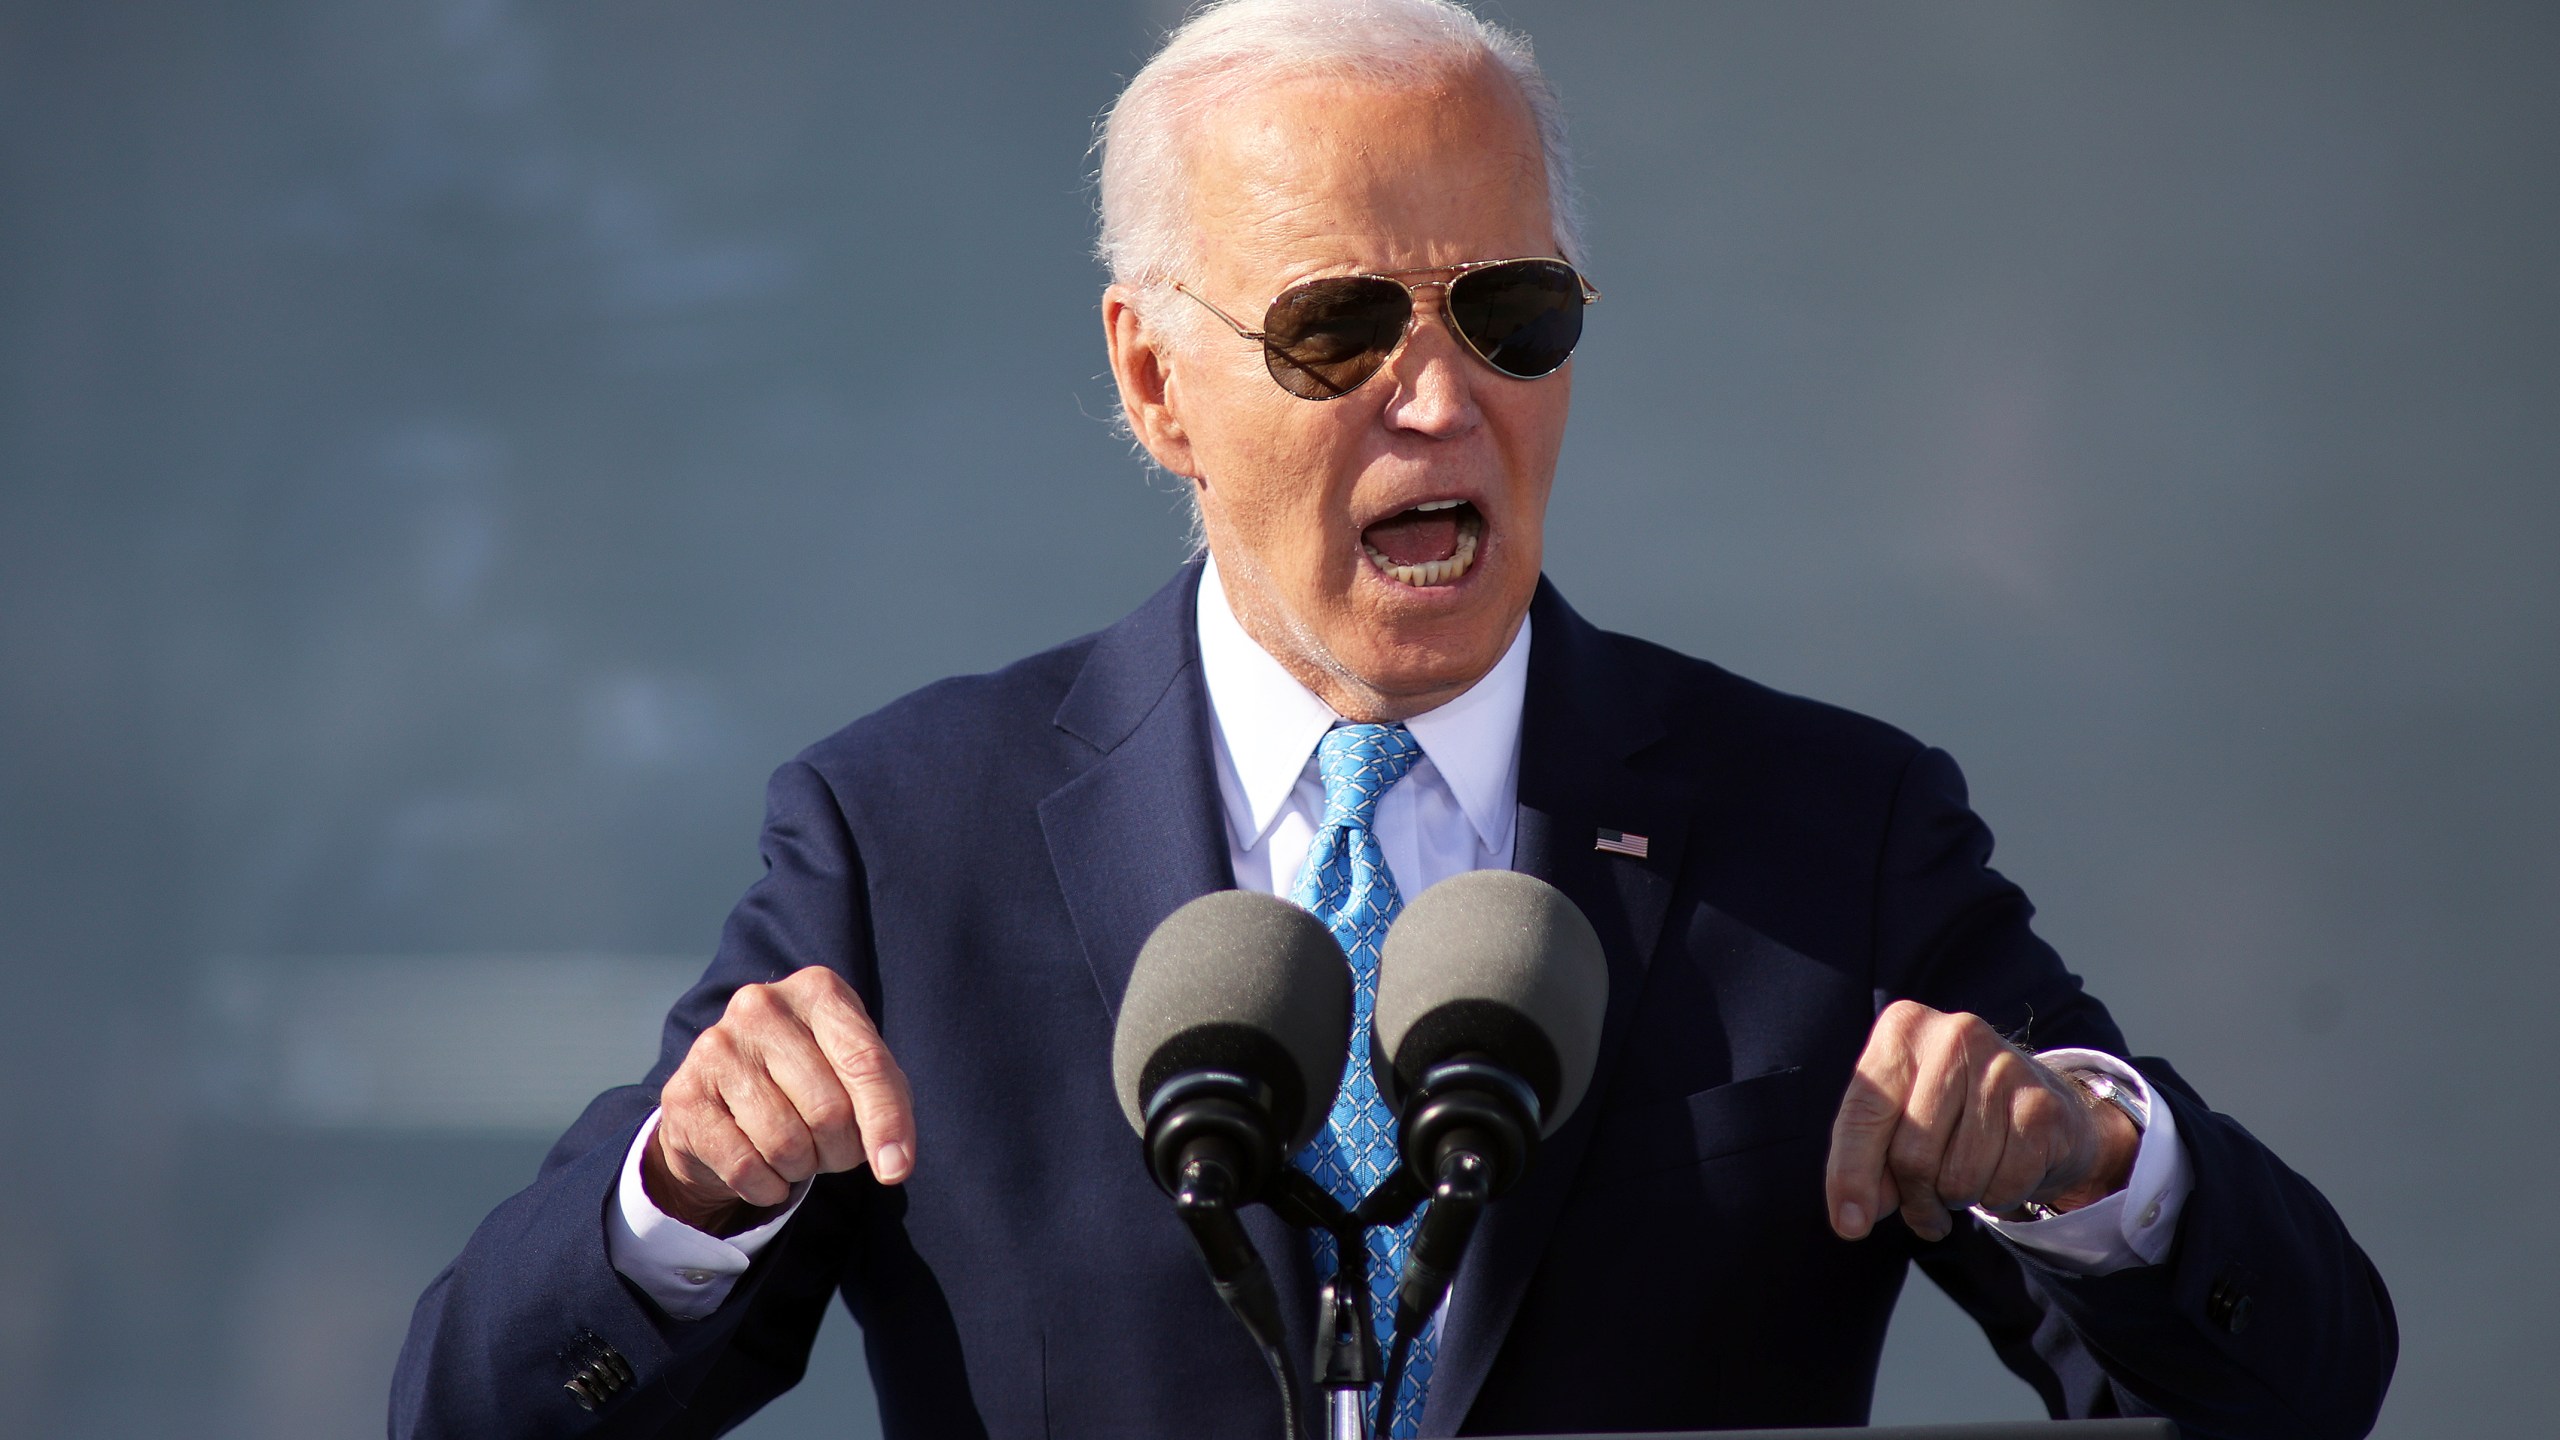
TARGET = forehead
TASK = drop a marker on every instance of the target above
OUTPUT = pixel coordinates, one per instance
(1323, 173)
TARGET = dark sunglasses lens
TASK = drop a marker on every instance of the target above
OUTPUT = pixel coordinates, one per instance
(1324, 338)
(1524, 318)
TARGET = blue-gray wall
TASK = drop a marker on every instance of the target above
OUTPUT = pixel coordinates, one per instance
(450, 450)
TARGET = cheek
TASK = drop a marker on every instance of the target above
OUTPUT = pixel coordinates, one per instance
(1531, 431)
(1283, 484)
(1554, 405)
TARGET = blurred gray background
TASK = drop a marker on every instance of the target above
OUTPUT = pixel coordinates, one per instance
(450, 450)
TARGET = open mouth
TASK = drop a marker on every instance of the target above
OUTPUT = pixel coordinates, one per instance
(1431, 544)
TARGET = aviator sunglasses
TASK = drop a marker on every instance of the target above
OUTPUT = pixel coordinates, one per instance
(1324, 338)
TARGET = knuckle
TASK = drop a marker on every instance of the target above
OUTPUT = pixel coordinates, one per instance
(830, 1116)
(1867, 1115)
(715, 1051)
(1995, 1047)
(2007, 1065)
(790, 1153)
(846, 1008)
(1913, 1152)
(870, 1064)
(821, 983)
(752, 1003)
(736, 1169)
(782, 1146)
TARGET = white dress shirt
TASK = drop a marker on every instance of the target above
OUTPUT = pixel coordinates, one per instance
(1454, 811)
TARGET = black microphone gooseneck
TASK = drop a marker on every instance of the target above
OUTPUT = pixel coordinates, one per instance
(1491, 993)
(1226, 1056)
(1207, 1143)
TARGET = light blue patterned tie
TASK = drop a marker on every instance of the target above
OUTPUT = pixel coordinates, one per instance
(1347, 886)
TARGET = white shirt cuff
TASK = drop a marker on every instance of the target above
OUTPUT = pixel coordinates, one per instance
(2134, 1225)
(688, 1272)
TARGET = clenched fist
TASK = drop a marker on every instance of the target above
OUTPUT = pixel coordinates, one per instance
(794, 1081)
(1945, 1114)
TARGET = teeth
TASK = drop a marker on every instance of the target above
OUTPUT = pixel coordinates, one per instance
(1440, 505)
(1429, 572)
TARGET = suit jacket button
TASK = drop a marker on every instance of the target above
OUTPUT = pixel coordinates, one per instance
(600, 1374)
(2228, 1304)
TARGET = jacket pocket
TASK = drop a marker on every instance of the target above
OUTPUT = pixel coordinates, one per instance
(1721, 1120)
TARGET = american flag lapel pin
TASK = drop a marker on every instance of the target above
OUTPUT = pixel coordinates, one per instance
(1619, 842)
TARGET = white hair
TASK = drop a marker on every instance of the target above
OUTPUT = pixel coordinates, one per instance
(1229, 48)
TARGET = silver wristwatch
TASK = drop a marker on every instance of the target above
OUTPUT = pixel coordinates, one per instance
(2101, 1086)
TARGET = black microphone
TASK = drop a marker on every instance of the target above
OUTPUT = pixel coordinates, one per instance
(1491, 993)
(1229, 1048)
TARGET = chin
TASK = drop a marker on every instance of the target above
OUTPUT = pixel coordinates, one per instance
(1432, 654)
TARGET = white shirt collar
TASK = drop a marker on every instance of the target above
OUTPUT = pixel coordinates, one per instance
(1268, 725)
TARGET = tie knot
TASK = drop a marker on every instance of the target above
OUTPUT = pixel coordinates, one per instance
(1359, 763)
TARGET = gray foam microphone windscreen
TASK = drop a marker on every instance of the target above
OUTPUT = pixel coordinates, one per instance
(1501, 964)
(1239, 981)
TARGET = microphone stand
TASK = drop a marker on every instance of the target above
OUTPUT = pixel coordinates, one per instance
(1346, 1359)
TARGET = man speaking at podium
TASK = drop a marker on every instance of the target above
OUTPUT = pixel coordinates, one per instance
(1345, 289)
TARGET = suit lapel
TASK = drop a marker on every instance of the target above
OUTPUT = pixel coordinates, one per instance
(1586, 716)
(1138, 832)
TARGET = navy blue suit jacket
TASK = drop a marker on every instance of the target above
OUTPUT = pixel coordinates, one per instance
(982, 860)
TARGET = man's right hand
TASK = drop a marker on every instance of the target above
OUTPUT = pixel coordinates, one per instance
(794, 1081)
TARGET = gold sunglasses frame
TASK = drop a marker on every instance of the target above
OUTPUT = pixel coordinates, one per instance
(1413, 309)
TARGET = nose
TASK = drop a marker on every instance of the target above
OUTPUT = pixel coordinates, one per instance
(1433, 374)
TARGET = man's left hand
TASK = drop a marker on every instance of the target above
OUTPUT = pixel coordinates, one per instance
(1944, 1114)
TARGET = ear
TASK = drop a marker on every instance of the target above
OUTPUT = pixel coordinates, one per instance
(1143, 368)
